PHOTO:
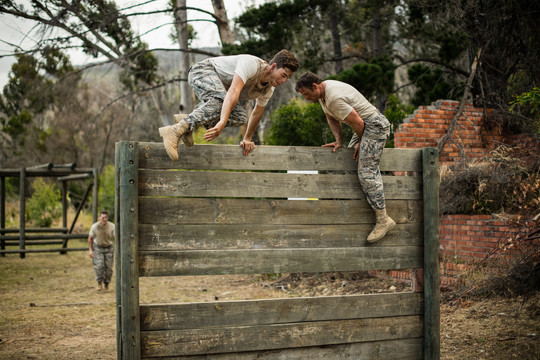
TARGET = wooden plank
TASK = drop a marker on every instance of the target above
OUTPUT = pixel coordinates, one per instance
(118, 208)
(402, 349)
(219, 262)
(267, 337)
(127, 240)
(251, 236)
(269, 185)
(430, 161)
(278, 311)
(277, 212)
(229, 157)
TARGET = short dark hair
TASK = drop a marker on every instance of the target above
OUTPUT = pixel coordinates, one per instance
(285, 59)
(103, 213)
(306, 80)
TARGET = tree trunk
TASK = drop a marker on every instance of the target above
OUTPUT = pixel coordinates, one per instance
(222, 22)
(180, 21)
(336, 38)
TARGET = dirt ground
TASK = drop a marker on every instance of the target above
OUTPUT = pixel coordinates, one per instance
(49, 309)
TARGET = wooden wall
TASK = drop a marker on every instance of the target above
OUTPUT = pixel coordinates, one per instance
(217, 212)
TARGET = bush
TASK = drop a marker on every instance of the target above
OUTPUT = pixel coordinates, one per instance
(106, 191)
(44, 207)
(302, 124)
(509, 181)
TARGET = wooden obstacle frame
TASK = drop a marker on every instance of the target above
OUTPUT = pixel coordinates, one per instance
(23, 236)
(217, 212)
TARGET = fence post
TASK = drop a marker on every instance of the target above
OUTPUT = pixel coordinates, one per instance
(430, 164)
(126, 213)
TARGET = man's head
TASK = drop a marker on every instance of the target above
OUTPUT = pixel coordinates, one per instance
(283, 65)
(309, 85)
(103, 217)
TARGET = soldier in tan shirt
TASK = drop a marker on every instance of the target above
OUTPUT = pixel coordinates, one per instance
(101, 250)
(342, 103)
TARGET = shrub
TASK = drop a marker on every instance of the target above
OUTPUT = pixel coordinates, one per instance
(44, 206)
(302, 124)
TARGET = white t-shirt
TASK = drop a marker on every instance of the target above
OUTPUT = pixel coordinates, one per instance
(341, 98)
(250, 69)
(102, 235)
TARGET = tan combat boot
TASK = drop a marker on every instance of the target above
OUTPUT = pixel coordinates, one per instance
(171, 136)
(99, 286)
(187, 138)
(382, 226)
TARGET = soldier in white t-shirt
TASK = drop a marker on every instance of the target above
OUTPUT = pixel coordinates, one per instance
(342, 103)
(220, 83)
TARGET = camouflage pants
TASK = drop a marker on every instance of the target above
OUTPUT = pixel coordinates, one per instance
(369, 158)
(103, 263)
(209, 89)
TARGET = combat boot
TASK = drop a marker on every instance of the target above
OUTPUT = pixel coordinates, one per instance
(187, 138)
(382, 226)
(99, 286)
(171, 136)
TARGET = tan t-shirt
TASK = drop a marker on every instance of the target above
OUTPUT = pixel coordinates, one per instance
(341, 98)
(102, 236)
(250, 69)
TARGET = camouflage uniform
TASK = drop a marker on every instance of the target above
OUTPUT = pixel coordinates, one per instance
(208, 87)
(103, 263)
(376, 132)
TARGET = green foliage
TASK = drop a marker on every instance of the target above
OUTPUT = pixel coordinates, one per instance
(396, 112)
(301, 124)
(30, 90)
(283, 25)
(44, 206)
(528, 103)
(106, 190)
(431, 85)
(375, 77)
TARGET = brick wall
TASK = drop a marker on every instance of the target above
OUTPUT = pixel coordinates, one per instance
(464, 239)
(428, 124)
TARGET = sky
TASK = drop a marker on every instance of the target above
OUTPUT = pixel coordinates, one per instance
(15, 31)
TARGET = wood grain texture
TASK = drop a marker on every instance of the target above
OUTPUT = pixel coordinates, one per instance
(229, 157)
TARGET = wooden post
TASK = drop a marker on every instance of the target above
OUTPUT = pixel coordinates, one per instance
(2, 212)
(95, 196)
(22, 211)
(118, 269)
(430, 164)
(127, 240)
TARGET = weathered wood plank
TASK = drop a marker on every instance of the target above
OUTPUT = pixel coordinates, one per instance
(229, 157)
(127, 231)
(403, 349)
(278, 311)
(218, 262)
(267, 337)
(269, 185)
(276, 212)
(251, 236)
(430, 161)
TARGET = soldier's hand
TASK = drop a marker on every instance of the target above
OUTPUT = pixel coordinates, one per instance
(248, 146)
(356, 150)
(335, 145)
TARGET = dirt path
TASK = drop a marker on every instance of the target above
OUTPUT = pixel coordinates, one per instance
(50, 310)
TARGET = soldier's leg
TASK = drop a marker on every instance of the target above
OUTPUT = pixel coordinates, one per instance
(108, 268)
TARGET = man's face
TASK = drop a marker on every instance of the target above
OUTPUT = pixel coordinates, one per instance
(280, 76)
(103, 218)
(312, 95)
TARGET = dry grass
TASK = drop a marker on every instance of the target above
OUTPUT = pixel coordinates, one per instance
(50, 309)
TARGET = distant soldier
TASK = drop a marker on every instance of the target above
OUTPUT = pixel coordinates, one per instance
(101, 250)
(342, 103)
